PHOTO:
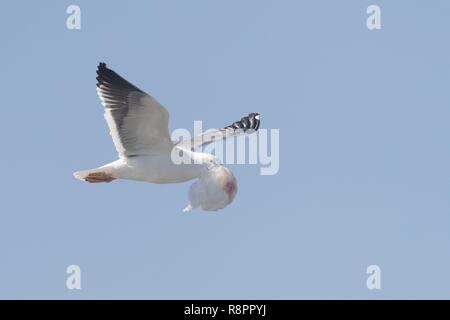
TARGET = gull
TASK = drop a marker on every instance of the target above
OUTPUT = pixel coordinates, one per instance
(138, 125)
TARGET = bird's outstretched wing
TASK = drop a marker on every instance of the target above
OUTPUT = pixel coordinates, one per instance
(138, 123)
(246, 125)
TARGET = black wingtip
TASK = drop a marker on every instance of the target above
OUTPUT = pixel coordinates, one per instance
(109, 79)
(256, 119)
(250, 122)
(101, 68)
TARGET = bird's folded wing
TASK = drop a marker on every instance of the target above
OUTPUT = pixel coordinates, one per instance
(246, 125)
(138, 123)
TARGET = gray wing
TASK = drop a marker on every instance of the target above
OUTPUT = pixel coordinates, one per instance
(138, 123)
(246, 125)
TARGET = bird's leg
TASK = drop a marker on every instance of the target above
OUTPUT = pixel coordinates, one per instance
(95, 177)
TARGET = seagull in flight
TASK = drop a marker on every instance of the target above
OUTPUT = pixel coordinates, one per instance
(138, 125)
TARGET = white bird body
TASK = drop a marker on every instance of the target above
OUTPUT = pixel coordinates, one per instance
(154, 169)
(139, 129)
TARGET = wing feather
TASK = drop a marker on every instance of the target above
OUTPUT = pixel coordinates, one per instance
(138, 123)
(246, 125)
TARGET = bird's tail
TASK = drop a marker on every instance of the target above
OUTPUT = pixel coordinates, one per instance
(101, 174)
(82, 174)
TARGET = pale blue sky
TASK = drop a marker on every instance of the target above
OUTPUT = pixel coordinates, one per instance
(364, 129)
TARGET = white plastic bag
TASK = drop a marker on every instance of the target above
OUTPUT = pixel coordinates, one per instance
(214, 190)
